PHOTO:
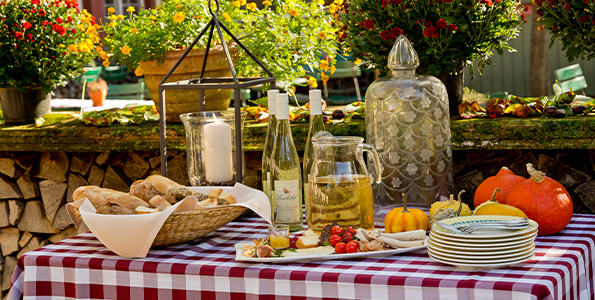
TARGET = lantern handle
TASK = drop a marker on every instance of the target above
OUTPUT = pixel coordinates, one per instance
(211, 11)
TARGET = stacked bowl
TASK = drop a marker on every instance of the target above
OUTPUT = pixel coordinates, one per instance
(482, 242)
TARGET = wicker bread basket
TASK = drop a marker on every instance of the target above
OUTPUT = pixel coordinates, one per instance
(181, 227)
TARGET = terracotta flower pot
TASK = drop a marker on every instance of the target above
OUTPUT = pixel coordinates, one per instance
(98, 97)
(186, 101)
(19, 108)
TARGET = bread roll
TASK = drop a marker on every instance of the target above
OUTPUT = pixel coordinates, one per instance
(144, 190)
(160, 203)
(146, 210)
(105, 200)
(214, 193)
(167, 186)
(227, 197)
(208, 202)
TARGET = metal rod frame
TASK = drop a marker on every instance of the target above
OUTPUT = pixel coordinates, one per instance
(203, 84)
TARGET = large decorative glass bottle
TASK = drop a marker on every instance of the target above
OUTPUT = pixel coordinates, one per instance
(408, 121)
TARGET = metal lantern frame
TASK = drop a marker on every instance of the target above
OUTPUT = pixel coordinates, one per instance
(236, 83)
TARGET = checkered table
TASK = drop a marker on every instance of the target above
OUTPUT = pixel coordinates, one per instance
(81, 268)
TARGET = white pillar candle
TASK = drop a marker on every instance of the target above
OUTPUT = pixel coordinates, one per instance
(217, 155)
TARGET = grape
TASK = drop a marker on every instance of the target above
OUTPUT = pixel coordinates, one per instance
(338, 114)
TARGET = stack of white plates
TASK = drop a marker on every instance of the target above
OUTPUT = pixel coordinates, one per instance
(484, 248)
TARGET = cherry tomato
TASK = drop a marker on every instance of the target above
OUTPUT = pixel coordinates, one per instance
(334, 239)
(351, 247)
(340, 247)
(337, 230)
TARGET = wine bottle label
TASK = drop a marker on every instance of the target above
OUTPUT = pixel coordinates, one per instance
(287, 201)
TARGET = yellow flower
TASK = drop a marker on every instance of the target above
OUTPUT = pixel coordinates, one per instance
(179, 17)
(71, 48)
(86, 13)
(332, 8)
(139, 71)
(111, 10)
(112, 24)
(339, 2)
(98, 49)
(293, 12)
(333, 70)
(538, 19)
(236, 4)
(134, 30)
(83, 47)
(153, 18)
(357, 61)
(251, 6)
(324, 77)
(323, 65)
(321, 35)
(267, 3)
(103, 55)
(130, 9)
(91, 30)
(242, 2)
(125, 50)
(113, 17)
(226, 16)
(121, 17)
(97, 26)
(89, 43)
(312, 82)
(106, 63)
(321, 2)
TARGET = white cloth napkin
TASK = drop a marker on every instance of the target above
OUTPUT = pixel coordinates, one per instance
(131, 236)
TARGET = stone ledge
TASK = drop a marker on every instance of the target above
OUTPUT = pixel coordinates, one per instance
(496, 134)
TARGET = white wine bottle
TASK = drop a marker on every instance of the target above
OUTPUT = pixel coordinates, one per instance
(269, 142)
(316, 125)
(286, 177)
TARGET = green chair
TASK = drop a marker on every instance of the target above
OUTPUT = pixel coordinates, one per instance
(127, 91)
(90, 74)
(115, 73)
(571, 77)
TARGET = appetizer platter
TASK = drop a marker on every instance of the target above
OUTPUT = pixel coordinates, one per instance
(333, 242)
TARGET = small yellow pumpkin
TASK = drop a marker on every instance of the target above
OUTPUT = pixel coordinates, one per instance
(493, 207)
(452, 203)
(401, 219)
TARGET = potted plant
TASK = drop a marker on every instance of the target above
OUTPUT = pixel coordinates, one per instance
(43, 44)
(97, 90)
(572, 23)
(447, 34)
(284, 35)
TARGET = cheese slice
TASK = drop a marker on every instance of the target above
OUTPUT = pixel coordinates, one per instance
(309, 241)
(318, 251)
(309, 232)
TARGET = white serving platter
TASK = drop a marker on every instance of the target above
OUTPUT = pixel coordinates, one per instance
(483, 265)
(485, 245)
(468, 250)
(239, 256)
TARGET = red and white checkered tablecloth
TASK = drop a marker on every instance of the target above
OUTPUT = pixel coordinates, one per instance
(82, 268)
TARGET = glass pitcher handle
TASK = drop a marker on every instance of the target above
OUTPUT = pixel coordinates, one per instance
(378, 174)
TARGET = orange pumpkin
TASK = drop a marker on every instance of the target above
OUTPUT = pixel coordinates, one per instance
(544, 200)
(504, 180)
(401, 219)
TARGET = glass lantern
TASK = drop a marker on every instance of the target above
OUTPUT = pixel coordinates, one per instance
(408, 122)
(210, 147)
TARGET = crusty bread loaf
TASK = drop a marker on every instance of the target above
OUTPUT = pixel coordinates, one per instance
(227, 198)
(144, 190)
(108, 201)
(169, 187)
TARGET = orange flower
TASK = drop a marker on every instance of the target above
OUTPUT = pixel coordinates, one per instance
(321, 35)
(134, 30)
(323, 65)
(324, 77)
(333, 70)
(106, 63)
(125, 50)
(251, 6)
(139, 72)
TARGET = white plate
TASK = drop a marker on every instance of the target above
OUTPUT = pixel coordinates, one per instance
(482, 247)
(484, 233)
(483, 242)
(475, 256)
(472, 239)
(239, 256)
(480, 261)
(480, 251)
(481, 266)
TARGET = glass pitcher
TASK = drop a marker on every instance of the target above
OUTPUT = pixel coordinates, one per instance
(339, 187)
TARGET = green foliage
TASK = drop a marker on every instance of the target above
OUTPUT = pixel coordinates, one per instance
(447, 34)
(572, 24)
(44, 43)
(284, 35)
